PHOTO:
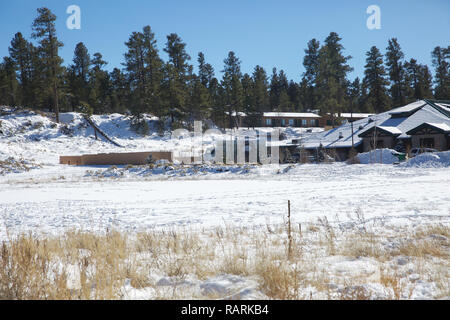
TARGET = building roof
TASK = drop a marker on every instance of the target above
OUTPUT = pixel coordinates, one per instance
(397, 121)
(353, 115)
(390, 131)
(439, 127)
(291, 115)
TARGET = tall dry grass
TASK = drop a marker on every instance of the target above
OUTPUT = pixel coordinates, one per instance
(287, 263)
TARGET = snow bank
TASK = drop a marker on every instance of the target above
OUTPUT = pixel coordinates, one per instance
(170, 170)
(430, 160)
(11, 165)
(387, 156)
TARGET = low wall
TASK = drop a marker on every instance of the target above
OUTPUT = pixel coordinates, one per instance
(133, 158)
(72, 160)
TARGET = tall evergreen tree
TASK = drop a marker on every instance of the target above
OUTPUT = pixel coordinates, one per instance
(311, 64)
(145, 72)
(21, 53)
(200, 104)
(354, 96)
(178, 74)
(260, 96)
(100, 86)
(295, 96)
(419, 81)
(232, 86)
(205, 70)
(44, 30)
(120, 91)
(153, 72)
(375, 81)
(395, 68)
(78, 75)
(274, 91)
(8, 82)
(441, 63)
(332, 76)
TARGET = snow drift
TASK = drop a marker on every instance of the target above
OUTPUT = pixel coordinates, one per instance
(430, 160)
(387, 156)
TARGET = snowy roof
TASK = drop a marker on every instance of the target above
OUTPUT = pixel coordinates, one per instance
(393, 130)
(291, 114)
(408, 108)
(443, 126)
(425, 111)
(354, 115)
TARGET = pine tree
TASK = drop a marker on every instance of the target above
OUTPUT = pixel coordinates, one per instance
(395, 68)
(295, 98)
(232, 86)
(311, 64)
(78, 76)
(200, 106)
(284, 102)
(135, 67)
(354, 96)
(153, 72)
(375, 81)
(178, 74)
(441, 63)
(21, 52)
(331, 78)
(8, 83)
(259, 96)
(144, 72)
(274, 91)
(100, 86)
(217, 95)
(120, 91)
(44, 30)
(205, 70)
(419, 81)
(248, 102)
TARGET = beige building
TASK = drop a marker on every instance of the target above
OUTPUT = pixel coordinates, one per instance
(291, 119)
(133, 158)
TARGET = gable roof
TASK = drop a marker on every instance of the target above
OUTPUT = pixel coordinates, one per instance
(398, 121)
(391, 131)
(439, 127)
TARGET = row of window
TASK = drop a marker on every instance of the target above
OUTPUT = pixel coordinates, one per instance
(291, 122)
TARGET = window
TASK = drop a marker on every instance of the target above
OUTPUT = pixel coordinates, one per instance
(283, 122)
(313, 122)
(291, 122)
(304, 122)
(268, 122)
(427, 142)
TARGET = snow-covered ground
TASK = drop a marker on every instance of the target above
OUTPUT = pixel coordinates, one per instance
(46, 197)
(60, 197)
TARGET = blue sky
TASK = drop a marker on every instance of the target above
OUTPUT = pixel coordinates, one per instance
(267, 33)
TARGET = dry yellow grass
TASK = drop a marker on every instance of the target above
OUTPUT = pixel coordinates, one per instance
(85, 265)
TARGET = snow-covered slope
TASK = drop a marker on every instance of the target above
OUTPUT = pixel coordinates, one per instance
(29, 135)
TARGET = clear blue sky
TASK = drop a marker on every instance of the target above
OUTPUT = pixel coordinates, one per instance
(267, 33)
